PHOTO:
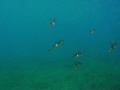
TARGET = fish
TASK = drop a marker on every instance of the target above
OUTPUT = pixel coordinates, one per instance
(112, 45)
(77, 65)
(56, 44)
(77, 54)
(52, 22)
(91, 32)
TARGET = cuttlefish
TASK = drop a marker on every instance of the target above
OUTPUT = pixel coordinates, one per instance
(91, 32)
(77, 65)
(112, 45)
(77, 55)
(52, 22)
(56, 44)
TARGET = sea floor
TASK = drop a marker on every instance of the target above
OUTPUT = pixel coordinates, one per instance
(59, 76)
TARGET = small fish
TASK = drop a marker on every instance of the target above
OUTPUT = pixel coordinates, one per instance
(52, 22)
(77, 54)
(112, 45)
(91, 32)
(77, 65)
(56, 44)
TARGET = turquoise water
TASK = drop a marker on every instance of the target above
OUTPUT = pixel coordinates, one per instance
(26, 64)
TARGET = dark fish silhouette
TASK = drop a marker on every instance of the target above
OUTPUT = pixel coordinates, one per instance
(77, 54)
(77, 65)
(56, 44)
(52, 22)
(112, 45)
(91, 32)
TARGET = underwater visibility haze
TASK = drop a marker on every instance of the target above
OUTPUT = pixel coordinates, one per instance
(59, 45)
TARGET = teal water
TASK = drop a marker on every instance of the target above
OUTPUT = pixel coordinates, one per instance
(26, 64)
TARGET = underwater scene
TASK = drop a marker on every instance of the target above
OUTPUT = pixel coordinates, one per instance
(59, 44)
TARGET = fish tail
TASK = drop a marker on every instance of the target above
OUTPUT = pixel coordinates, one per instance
(50, 48)
(89, 33)
(110, 50)
(49, 27)
(71, 58)
(75, 68)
